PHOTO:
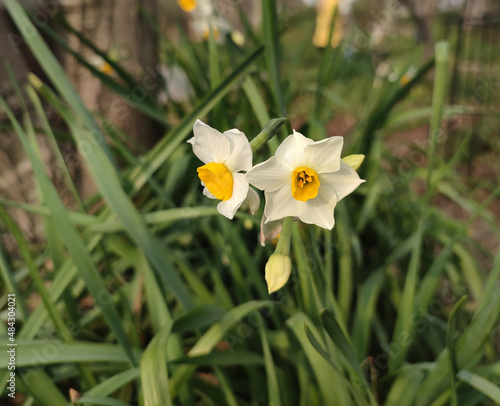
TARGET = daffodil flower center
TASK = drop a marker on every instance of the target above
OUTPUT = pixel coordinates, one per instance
(305, 184)
(217, 179)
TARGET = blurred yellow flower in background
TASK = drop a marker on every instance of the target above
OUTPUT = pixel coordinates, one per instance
(187, 5)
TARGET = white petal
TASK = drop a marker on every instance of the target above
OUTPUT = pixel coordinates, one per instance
(292, 149)
(324, 156)
(203, 10)
(203, 155)
(209, 145)
(319, 210)
(342, 182)
(281, 204)
(240, 191)
(253, 200)
(240, 155)
(269, 175)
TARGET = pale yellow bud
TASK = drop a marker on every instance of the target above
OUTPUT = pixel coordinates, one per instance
(278, 270)
(238, 38)
(354, 161)
(248, 224)
(35, 81)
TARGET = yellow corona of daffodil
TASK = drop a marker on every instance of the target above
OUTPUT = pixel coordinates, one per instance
(305, 179)
(225, 155)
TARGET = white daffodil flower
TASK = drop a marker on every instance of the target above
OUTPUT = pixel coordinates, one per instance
(305, 179)
(224, 155)
(205, 19)
(177, 85)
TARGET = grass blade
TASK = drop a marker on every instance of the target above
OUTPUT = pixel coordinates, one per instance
(341, 341)
(404, 387)
(101, 401)
(35, 352)
(197, 318)
(324, 373)
(273, 388)
(365, 310)
(154, 374)
(114, 383)
(10, 283)
(270, 38)
(450, 345)
(403, 327)
(239, 357)
(42, 388)
(73, 241)
(34, 273)
(120, 203)
(468, 345)
(481, 384)
(213, 336)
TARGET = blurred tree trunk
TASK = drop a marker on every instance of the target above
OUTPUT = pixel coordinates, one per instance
(116, 27)
(113, 26)
(16, 180)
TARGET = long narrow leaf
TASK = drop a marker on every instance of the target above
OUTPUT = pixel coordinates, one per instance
(154, 374)
(73, 241)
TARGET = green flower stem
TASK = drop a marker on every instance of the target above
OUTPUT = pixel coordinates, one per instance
(267, 133)
(283, 246)
(279, 265)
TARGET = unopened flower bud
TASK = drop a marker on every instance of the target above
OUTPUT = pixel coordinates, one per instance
(278, 270)
(354, 161)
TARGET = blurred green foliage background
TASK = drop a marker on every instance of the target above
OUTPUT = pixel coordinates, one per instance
(144, 295)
